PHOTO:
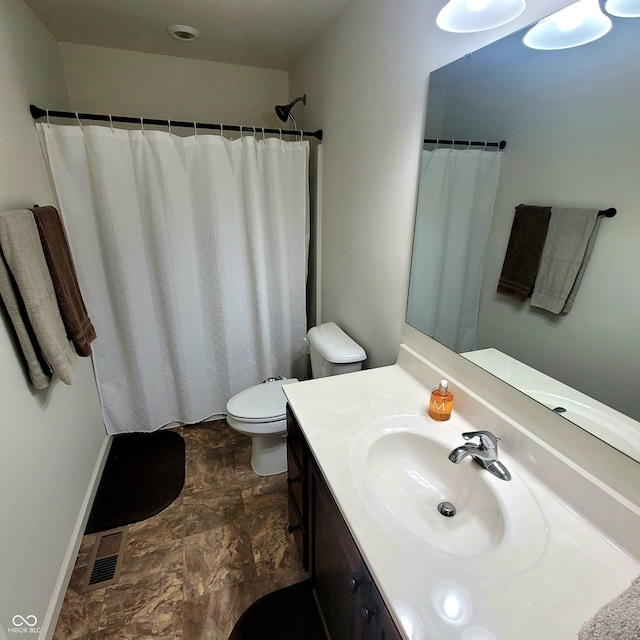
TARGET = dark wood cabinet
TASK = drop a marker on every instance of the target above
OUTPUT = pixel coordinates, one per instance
(349, 601)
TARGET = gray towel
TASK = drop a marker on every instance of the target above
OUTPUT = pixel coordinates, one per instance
(31, 281)
(567, 248)
(617, 620)
(39, 370)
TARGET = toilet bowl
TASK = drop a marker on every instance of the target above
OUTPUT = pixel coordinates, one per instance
(260, 413)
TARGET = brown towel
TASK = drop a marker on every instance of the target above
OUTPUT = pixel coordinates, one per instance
(65, 282)
(524, 251)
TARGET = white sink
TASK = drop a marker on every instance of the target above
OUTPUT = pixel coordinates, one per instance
(412, 475)
(401, 465)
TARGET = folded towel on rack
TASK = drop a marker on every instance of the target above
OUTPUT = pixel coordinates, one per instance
(37, 366)
(616, 620)
(22, 251)
(566, 251)
(74, 314)
(521, 261)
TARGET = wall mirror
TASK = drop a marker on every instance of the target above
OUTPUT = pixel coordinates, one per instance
(570, 121)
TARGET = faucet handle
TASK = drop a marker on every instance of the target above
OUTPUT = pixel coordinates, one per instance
(487, 439)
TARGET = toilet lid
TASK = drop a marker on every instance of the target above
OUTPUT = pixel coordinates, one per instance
(264, 402)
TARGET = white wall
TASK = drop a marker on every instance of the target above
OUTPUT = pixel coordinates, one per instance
(366, 83)
(50, 440)
(128, 83)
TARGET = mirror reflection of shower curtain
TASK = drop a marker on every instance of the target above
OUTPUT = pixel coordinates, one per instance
(191, 253)
(453, 215)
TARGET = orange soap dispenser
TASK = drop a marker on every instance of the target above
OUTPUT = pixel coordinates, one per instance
(441, 402)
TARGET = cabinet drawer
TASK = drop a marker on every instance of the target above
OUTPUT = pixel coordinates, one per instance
(295, 439)
(298, 530)
(296, 482)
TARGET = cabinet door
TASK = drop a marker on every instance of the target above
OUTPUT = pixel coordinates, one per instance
(380, 625)
(298, 488)
(336, 567)
(374, 621)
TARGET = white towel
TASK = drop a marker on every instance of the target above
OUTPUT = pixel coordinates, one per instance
(617, 620)
(32, 290)
(567, 248)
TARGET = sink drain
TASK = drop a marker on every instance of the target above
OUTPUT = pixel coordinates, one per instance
(447, 509)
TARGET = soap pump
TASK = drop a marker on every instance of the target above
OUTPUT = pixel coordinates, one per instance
(441, 402)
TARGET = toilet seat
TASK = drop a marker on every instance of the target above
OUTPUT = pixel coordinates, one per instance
(262, 403)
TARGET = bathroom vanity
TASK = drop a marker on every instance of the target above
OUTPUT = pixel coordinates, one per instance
(348, 598)
(533, 557)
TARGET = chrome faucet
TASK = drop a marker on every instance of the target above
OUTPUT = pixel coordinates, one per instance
(485, 454)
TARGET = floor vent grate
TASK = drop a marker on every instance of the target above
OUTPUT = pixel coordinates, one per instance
(105, 560)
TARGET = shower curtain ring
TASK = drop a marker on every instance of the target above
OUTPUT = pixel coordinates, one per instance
(142, 125)
(78, 119)
(169, 125)
(222, 131)
(195, 130)
(111, 123)
(47, 113)
(262, 134)
(280, 130)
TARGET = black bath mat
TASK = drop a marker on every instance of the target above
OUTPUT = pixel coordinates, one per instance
(143, 475)
(287, 614)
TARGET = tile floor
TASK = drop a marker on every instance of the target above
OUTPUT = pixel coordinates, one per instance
(189, 572)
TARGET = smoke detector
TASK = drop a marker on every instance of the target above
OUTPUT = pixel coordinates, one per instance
(183, 32)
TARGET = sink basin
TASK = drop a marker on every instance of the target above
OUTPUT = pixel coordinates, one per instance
(412, 475)
(402, 469)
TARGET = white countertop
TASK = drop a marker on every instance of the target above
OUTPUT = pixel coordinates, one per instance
(547, 590)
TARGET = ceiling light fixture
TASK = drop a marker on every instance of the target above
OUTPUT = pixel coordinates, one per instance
(183, 32)
(577, 24)
(469, 16)
(623, 8)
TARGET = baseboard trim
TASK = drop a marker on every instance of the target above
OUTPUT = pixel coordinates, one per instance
(57, 599)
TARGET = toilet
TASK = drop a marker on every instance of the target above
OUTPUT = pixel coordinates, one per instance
(260, 411)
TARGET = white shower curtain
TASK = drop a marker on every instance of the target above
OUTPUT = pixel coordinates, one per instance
(192, 257)
(455, 205)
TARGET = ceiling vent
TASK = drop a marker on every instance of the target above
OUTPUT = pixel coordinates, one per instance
(183, 32)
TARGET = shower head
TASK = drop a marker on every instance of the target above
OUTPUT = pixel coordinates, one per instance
(284, 111)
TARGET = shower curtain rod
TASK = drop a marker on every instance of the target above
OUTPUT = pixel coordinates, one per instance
(37, 113)
(466, 143)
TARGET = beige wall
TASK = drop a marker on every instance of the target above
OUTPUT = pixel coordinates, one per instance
(50, 440)
(128, 83)
(366, 81)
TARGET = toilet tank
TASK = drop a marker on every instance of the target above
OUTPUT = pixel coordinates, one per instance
(332, 351)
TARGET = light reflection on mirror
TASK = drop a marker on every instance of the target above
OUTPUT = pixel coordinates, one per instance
(570, 121)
